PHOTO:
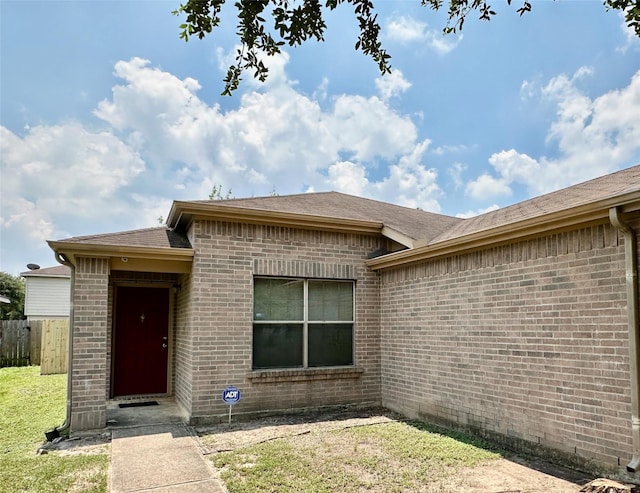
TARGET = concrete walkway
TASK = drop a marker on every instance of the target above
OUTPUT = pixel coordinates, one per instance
(159, 458)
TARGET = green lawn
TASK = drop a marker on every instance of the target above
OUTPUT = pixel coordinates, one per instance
(30, 404)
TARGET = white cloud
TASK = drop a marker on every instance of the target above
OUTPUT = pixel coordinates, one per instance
(63, 169)
(412, 183)
(443, 44)
(486, 186)
(25, 218)
(392, 84)
(348, 177)
(159, 141)
(409, 183)
(55, 178)
(528, 90)
(592, 137)
(451, 149)
(406, 30)
(276, 138)
(455, 172)
(367, 127)
(514, 167)
(321, 91)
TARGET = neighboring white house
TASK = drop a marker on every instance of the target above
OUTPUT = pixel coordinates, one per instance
(47, 293)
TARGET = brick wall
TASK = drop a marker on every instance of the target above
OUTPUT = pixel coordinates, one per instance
(227, 258)
(183, 344)
(525, 341)
(90, 364)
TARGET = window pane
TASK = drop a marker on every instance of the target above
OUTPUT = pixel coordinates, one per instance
(330, 344)
(330, 300)
(277, 345)
(278, 299)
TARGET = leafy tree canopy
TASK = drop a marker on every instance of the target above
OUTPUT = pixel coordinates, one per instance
(12, 287)
(296, 21)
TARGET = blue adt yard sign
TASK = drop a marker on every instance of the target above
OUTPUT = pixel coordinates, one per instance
(231, 395)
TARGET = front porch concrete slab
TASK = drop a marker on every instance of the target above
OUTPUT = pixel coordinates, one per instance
(159, 458)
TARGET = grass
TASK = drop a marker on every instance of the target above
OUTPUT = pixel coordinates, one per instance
(30, 404)
(386, 457)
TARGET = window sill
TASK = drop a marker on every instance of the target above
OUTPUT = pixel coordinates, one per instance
(303, 374)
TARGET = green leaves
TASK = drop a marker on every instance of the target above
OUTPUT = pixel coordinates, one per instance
(631, 9)
(368, 40)
(202, 17)
(264, 26)
(459, 9)
(292, 23)
(12, 287)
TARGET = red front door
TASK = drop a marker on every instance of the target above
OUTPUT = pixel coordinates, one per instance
(141, 341)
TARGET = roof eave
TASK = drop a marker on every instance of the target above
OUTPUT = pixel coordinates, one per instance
(59, 276)
(183, 213)
(589, 213)
(74, 249)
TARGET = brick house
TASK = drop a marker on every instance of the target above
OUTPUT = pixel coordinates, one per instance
(520, 325)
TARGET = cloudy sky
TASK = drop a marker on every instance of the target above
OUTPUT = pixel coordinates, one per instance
(106, 116)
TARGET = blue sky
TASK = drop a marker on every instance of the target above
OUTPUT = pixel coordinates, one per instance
(106, 116)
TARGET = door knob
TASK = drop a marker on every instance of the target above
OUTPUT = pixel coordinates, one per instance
(164, 346)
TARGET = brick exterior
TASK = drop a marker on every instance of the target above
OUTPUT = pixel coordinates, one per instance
(90, 365)
(527, 341)
(228, 256)
(524, 342)
(183, 344)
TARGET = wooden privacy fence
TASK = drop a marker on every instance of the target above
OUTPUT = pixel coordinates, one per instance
(41, 342)
(18, 347)
(53, 357)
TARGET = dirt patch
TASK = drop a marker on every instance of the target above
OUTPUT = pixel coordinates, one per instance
(225, 438)
(509, 474)
(80, 445)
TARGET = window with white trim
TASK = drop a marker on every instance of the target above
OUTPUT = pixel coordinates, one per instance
(302, 323)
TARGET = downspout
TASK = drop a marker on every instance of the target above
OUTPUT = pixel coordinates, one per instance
(64, 427)
(631, 268)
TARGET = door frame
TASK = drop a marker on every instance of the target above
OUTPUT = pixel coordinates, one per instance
(141, 284)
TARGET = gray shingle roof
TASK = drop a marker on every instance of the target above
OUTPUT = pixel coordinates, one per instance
(615, 184)
(414, 223)
(150, 237)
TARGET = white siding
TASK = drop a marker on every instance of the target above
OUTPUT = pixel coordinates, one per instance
(47, 297)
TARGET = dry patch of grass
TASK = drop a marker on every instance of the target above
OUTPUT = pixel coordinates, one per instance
(374, 451)
(381, 455)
